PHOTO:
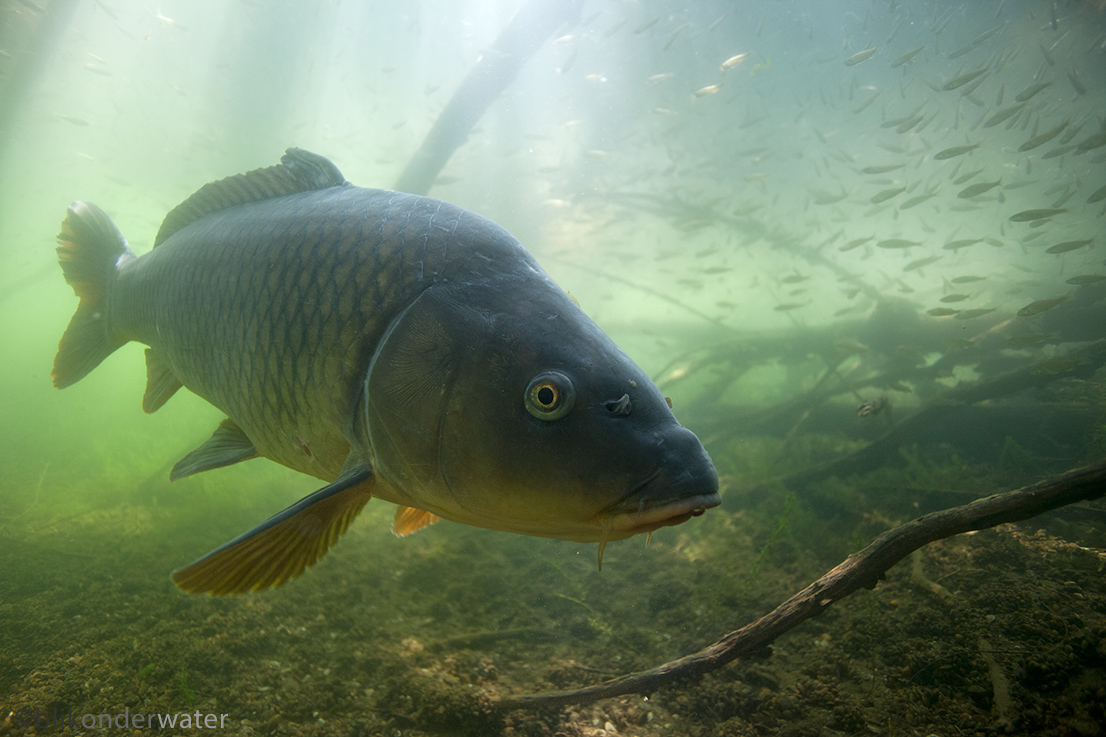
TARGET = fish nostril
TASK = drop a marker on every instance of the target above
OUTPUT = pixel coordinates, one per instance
(619, 406)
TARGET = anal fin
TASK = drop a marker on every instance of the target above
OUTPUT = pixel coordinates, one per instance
(282, 547)
(409, 520)
(226, 446)
(161, 383)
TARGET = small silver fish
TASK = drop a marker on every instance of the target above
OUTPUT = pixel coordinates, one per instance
(887, 194)
(860, 56)
(951, 153)
(1076, 82)
(963, 79)
(710, 89)
(963, 243)
(1026, 339)
(1052, 153)
(1002, 115)
(1097, 196)
(857, 242)
(974, 313)
(906, 57)
(1085, 279)
(1091, 142)
(1043, 138)
(1030, 91)
(1028, 216)
(1067, 246)
(977, 189)
(922, 262)
(883, 169)
(733, 61)
(1041, 305)
(917, 200)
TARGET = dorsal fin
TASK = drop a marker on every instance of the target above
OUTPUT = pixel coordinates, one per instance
(298, 171)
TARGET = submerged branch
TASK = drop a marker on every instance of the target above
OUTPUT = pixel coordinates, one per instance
(531, 25)
(859, 570)
(646, 290)
(1085, 360)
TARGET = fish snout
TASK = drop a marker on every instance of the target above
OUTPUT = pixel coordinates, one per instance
(683, 484)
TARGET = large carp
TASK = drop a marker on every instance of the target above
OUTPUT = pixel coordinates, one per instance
(392, 345)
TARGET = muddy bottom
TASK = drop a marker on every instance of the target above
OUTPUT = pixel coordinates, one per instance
(1001, 631)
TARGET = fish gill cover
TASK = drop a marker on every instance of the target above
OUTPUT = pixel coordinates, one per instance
(857, 244)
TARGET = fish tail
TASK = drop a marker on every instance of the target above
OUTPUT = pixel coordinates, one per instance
(90, 250)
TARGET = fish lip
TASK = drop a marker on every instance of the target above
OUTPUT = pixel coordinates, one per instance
(649, 515)
(638, 512)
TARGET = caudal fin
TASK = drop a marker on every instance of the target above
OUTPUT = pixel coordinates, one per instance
(90, 251)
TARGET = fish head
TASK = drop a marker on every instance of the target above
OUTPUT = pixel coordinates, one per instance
(504, 406)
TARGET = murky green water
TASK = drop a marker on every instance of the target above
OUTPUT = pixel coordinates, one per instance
(801, 245)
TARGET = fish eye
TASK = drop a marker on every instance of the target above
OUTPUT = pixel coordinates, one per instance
(550, 396)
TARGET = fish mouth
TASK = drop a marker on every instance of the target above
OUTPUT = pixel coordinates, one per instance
(644, 508)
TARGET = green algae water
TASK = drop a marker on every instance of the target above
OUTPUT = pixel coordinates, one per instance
(858, 244)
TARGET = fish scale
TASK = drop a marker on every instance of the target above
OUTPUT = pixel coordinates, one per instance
(316, 248)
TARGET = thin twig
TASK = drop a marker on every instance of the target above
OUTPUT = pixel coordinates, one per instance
(38, 491)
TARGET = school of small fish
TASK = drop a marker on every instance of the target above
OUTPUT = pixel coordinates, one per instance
(914, 152)
(782, 165)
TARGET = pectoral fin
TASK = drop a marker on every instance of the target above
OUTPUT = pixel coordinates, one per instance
(226, 446)
(283, 546)
(409, 520)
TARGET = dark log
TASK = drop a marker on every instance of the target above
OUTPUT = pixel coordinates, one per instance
(860, 570)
